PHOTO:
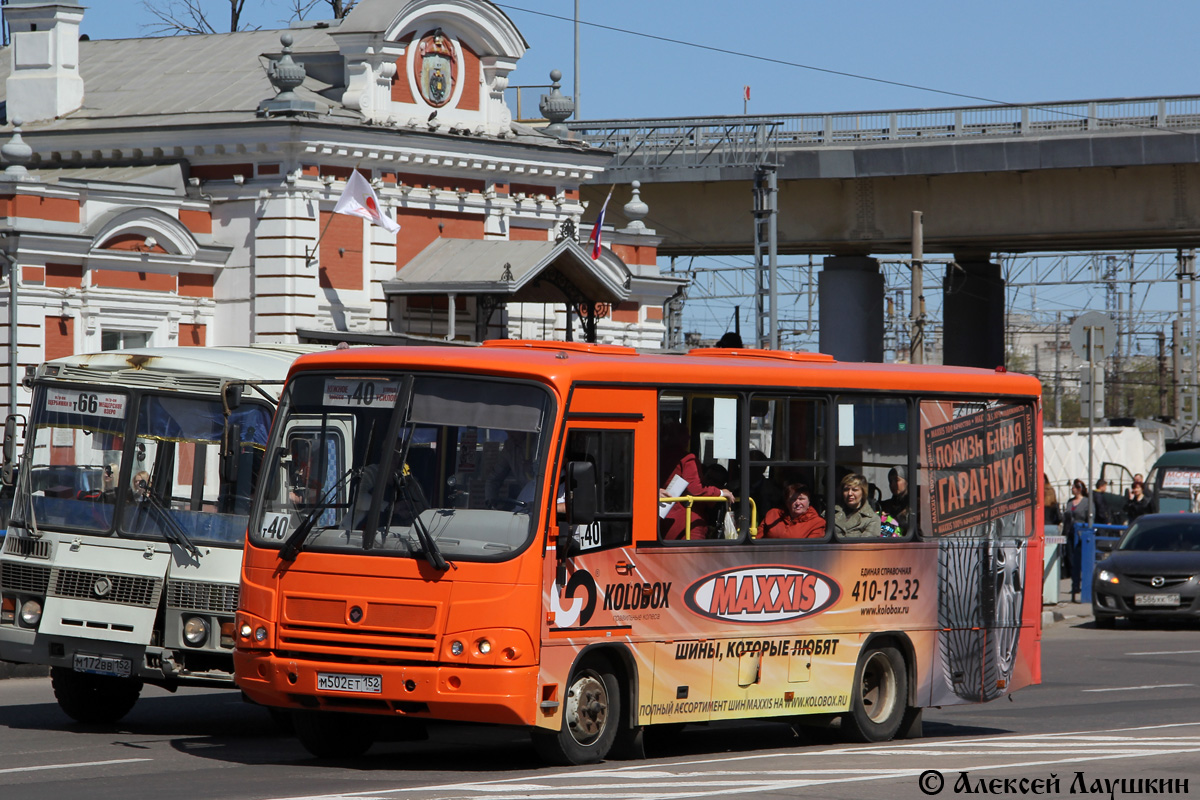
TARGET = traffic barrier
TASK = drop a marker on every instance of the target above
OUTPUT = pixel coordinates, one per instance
(1089, 536)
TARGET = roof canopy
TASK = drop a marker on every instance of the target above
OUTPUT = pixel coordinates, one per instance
(521, 271)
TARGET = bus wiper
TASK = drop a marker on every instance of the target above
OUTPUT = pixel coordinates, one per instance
(429, 546)
(171, 529)
(295, 543)
(395, 466)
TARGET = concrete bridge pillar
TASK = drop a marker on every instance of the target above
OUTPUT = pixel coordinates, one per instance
(973, 314)
(850, 290)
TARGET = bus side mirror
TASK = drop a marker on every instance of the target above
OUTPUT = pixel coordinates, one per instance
(581, 493)
(232, 395)
(231, 452)
(8, 471)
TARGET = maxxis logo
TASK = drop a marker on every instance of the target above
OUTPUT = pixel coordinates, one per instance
(762, 594)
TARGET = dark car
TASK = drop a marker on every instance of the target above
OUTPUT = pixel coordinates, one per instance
(1152, 573)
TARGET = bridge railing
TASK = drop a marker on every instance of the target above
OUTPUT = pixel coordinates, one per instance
(753, 139)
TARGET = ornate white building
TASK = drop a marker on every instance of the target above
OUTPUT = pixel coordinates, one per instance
(180, 190)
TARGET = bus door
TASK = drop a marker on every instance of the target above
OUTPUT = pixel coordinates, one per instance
(593, 584)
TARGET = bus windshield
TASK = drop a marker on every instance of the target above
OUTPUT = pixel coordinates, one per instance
(1179, 490)
(399, 466)
(154, 474)
(75, 457)
(174, 483)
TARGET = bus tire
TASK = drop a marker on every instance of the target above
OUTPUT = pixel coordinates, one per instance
(880, 696)
(328, 734)
(591, 714)
(93, 699)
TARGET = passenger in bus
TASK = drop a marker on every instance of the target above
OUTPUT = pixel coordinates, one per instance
(515, 463)
(896, 506)
(108, 483)
(140, 488)
(797, 519)
(684, 478)
(854, 518)
(764, 491)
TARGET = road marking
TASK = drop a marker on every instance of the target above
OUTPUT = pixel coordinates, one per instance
(75, 765)
(1164, 653)
(1139, 688)
(754, 774)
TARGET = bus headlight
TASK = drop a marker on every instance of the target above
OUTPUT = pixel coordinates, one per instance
(1104, 576)
(456, 648)
(484, 646)
(31, 613)
(195, 631)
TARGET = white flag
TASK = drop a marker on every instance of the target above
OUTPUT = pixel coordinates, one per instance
(358, 199)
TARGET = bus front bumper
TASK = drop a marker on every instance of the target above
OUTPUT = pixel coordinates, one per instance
(156, 665)
(499, 695)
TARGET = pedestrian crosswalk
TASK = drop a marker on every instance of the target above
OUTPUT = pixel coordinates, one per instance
(792, 772)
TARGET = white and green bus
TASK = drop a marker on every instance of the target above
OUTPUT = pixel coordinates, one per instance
(121, 561)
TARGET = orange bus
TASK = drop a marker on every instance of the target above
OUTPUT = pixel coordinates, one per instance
(592, 543)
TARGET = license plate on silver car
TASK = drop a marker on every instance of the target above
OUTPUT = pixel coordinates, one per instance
(1156, 599)
(103, 665)
(340, 682)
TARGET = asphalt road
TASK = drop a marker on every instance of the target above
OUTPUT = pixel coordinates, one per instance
(1121, 704)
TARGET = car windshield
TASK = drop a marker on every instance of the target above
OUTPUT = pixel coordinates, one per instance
(1178, 490)
(402, 467)
(1164, 534)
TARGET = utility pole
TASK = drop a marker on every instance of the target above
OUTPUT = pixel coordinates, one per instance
(1058, 369)
(578, 95)
(916, 342)
(766, 212)
(1186, 412)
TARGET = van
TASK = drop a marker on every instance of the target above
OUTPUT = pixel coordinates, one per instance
(1174, 481)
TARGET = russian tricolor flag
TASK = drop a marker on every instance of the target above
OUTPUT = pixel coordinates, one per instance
(595, 237)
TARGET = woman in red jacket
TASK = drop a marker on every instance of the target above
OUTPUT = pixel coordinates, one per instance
(796, 520)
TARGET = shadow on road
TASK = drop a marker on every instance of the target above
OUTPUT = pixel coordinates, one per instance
(221, 726)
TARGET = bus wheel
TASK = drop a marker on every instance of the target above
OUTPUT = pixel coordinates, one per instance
(880, 696)
(590, 717)
(93, 699)
(330, 735)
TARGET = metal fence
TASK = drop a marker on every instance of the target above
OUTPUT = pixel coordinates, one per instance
(741, 139)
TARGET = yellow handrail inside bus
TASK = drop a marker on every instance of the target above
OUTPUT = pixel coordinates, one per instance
(687, 500)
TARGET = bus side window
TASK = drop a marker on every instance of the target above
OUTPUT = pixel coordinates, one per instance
(699, 439)
(788, 471)
(611, 453)
(872, 462)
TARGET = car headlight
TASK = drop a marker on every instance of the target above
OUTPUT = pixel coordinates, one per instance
(31, 613)
(195, 631)
(1104, 576)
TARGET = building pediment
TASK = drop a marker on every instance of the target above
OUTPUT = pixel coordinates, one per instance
(442, 63)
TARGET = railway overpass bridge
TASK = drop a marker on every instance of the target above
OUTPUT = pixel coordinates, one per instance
(1087, 175)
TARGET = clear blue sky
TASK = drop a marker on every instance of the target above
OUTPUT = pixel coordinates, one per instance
(1017, 51)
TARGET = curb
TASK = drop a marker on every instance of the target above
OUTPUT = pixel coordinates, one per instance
(11, 670)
